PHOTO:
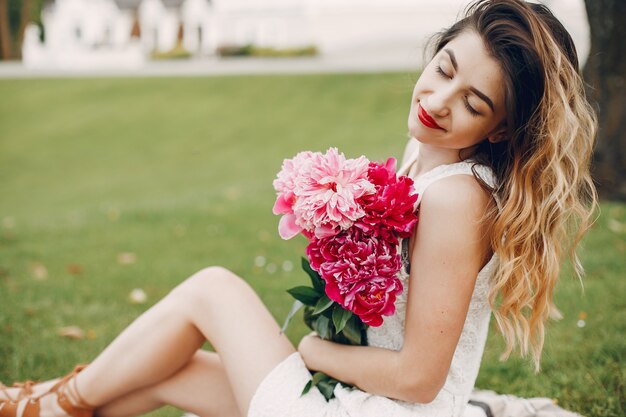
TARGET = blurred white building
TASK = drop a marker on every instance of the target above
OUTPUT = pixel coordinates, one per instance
(123, 33)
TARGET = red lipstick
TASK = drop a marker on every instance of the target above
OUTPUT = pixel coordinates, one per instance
(426, 119)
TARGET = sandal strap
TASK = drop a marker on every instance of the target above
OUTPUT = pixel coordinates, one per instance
(79, 407)
(3, 388)
(71, 409)
(26, 389)
(32, 408)
(8, 409)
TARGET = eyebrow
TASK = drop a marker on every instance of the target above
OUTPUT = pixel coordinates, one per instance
(474, 90)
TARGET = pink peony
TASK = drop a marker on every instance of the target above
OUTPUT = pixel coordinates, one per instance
(391, 207)
(292, 171)
(350, 260)
(327, 197)
(319, 193)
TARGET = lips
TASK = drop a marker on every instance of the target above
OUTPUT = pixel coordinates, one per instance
(426, 119)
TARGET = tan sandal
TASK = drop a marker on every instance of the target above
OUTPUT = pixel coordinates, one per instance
(26, 389)
(75, 407)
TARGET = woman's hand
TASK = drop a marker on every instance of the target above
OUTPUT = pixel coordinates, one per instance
(306, 347)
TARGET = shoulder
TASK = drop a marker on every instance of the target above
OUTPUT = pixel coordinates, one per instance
(456, 192)
(452, 217)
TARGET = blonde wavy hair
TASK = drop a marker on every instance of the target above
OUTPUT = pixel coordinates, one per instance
(547, 199)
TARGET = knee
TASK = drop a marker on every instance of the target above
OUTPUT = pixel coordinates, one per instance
(213, 280)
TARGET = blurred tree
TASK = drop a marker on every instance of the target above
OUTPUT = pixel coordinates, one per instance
(6, 41)
(14, 16)
(605, 73)
(25, 19)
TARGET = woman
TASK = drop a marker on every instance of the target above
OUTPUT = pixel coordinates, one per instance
(501, 140)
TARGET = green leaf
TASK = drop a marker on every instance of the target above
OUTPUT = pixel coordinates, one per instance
(333, 383)
(340, 317)
(326, 389)
(316, 280)
(352, 331)
(319, 376)
(297, 305)
(323, 304)
(307, 388)
(305, 294)
(322, 326)
(307, 315)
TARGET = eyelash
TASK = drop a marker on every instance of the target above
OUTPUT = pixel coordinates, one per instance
(467, 106)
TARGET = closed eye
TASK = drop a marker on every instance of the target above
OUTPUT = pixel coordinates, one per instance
(440, 71)
(466, 101)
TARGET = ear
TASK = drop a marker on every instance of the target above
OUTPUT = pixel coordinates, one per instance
(497, 135)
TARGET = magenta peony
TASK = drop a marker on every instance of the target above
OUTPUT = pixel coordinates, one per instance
(390, 211)
(359, 271)
(373, 298)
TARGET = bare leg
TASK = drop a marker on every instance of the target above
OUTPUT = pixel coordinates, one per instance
(201, 387)
(214, 304)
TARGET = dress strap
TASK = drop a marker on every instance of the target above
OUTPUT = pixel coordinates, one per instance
(460, 168)
(467, 167)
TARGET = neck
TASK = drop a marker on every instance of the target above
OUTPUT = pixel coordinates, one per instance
(430, 157)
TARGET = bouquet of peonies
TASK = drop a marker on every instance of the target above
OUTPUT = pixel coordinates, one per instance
(353, 213)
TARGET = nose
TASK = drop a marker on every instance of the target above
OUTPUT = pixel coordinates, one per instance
(439, 102)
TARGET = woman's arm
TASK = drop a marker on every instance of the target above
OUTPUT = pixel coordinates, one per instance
(450, 249)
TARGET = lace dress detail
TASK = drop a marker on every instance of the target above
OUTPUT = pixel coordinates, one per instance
(279, 393)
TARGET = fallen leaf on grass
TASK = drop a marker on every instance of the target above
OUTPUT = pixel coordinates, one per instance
(271, 268)
(260, 261)
(39, 271)
(113, 214)
(74, 269)
(138, 296)
(617, 226)
(180, 230)
(126, 258)
(8, 222)
(72, 332)
(233, 193)
(30, 311)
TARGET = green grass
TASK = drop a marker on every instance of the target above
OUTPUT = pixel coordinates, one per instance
(179, 171)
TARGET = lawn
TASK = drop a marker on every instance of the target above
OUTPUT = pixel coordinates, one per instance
(109, 185)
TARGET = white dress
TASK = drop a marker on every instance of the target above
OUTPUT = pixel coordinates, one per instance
(278, 395)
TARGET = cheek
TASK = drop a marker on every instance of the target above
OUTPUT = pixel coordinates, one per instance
(468, 129)
(415, 92)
